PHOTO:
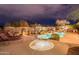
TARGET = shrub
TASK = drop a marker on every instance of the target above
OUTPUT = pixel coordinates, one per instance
(55, 37)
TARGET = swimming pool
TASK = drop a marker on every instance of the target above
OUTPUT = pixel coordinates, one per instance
(49, 35)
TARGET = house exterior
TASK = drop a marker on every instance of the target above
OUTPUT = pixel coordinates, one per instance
(61, 22)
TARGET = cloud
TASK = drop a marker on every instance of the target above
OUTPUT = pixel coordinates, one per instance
(11, 12)
(29, 10)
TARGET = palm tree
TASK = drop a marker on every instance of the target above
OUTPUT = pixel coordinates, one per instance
(74, 15)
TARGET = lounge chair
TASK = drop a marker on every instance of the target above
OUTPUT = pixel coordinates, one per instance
(73, 51)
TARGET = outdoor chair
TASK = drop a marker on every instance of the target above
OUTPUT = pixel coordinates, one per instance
(73, 51)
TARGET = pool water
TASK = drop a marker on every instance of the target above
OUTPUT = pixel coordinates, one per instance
(42, 44)
(45, 36)
(49, 35)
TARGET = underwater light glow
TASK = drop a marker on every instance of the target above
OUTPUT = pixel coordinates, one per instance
(42, 44)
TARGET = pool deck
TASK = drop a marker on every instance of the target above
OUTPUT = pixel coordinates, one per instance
(70, 38)
(21, 47)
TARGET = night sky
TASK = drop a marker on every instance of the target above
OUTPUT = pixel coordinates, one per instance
(43, 14)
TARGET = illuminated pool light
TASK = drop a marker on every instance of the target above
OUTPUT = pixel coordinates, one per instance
(41, 45)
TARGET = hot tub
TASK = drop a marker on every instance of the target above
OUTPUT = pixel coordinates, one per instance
(41, 45)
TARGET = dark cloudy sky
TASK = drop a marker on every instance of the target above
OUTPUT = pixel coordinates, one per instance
(40, 13)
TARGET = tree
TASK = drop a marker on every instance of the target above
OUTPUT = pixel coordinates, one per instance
(7, 24)
(76, 26)
(23, 23)
(74, 15)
